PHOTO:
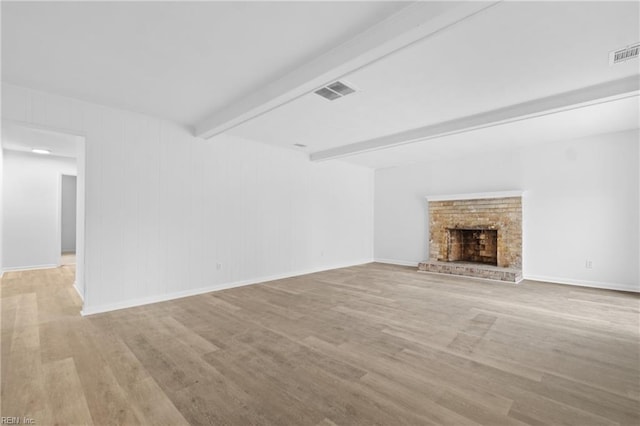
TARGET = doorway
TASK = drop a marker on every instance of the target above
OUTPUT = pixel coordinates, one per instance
(43, 200)
(68, 208)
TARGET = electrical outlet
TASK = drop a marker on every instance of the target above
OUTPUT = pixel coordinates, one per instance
(588, 264)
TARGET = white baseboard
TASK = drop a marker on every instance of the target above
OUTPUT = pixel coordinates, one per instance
(583, 283)
(27, 268)
(396, 262)
(75, 285)
(217, 287)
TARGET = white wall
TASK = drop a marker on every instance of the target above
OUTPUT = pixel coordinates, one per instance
(68, 214)
(31, 205)
(1, 208)
(164, 208)
(581, 203)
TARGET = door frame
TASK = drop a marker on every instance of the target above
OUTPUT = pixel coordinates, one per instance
(59, 215)
(80, 283)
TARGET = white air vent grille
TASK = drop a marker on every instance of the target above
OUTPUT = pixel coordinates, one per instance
(334, 91)
(622, 55)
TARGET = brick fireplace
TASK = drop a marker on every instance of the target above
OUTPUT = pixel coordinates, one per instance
(476, 235)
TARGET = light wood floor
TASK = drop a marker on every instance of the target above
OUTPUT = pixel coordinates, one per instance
(366, 345)
(68, 259)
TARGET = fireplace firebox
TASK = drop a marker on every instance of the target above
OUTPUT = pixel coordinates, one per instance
(472, 245)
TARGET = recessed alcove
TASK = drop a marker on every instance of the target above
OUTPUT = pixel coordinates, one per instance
(473, 245)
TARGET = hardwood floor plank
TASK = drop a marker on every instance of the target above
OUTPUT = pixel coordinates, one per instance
(65, 394)
(152, 405)
(366, 345)
(23, 392)
(590, 399)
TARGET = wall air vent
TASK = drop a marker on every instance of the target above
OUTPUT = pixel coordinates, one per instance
(622, 55)
(334, 91)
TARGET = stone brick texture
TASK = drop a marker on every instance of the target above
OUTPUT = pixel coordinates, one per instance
(469, 270)
(503, 215)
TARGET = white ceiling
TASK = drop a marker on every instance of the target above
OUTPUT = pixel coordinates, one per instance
(175, 60)
(20, 138)
(187, 60)
(508, 54)
(614, 116)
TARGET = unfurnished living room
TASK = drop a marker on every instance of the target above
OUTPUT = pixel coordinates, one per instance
(320, 213)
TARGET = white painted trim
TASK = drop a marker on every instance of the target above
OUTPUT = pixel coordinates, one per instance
(567, 101)
(27, 268)
(81, 158)
(81, 214)
(58, 248)
(396, 262)
(75, 286)
(583, 283)
(409, 25)
(217, 287)
(476, 195)
(59, 218)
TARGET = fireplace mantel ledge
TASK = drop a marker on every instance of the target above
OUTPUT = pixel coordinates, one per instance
(475, 196)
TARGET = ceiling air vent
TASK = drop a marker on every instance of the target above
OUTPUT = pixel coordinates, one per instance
(334, 91)
(629, 52)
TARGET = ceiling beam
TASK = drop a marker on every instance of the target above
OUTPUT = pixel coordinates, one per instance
(409, 25)
(591, 95)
